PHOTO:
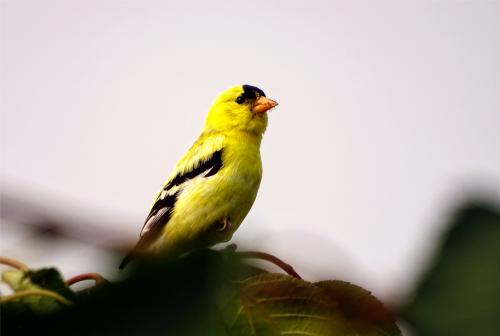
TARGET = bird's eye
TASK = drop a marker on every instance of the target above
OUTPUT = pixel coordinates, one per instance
(240, 100)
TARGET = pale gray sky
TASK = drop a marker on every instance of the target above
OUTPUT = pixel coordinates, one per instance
(387, 109)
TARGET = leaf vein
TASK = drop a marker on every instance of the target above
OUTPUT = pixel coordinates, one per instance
(319, 317)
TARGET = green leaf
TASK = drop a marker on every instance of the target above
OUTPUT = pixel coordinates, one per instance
(277, 304)
(51, 279)
(213, 293)
(364, 313)
(48, 279)
(16, 280)
(460, 292)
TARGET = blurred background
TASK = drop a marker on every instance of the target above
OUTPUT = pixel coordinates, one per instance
(388, 118)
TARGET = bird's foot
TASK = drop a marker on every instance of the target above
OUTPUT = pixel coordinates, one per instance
(230, 248)
(226, 224)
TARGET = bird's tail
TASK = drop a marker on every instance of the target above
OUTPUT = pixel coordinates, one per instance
(128, 258)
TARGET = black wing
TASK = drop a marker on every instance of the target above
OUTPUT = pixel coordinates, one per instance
(157, 219)
(213, 164)
(162, 209)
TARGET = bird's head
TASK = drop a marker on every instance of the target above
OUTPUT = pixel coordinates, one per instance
(240, 108)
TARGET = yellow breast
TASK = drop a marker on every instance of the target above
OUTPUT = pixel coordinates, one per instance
(205, 201)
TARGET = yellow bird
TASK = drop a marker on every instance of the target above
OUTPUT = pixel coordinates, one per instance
(213, 187)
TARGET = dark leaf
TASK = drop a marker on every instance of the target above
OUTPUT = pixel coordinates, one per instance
(460, 293)
(278, 304)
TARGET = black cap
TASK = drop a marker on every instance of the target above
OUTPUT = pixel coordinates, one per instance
(249, 93)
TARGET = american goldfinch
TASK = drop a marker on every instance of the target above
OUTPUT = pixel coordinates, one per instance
(213, 187)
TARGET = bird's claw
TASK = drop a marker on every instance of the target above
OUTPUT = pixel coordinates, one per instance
(226, 224)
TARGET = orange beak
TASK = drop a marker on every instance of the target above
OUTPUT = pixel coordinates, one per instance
(263, 104)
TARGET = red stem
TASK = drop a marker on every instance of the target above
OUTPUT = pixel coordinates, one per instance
(272, 259)
(87, 276)
(13, 263)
